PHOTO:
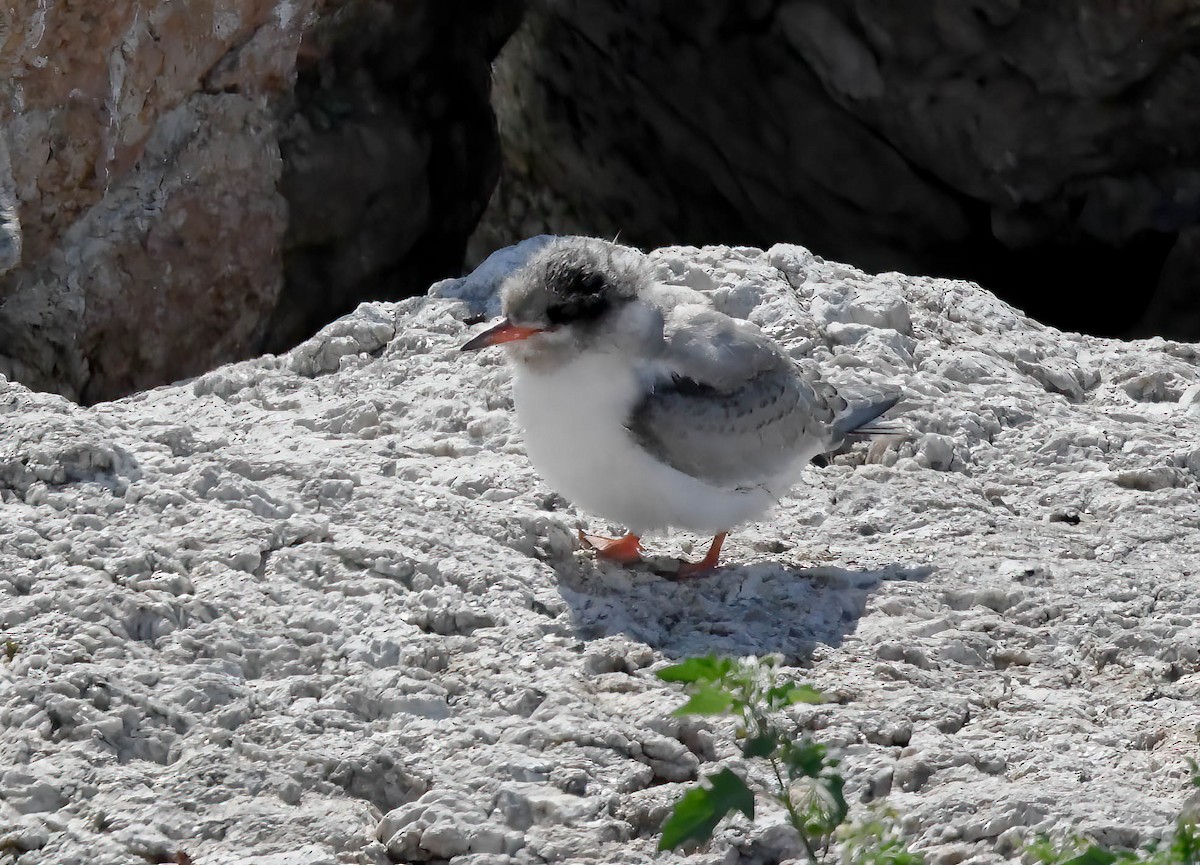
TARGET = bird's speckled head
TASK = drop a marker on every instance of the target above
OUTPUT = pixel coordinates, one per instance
(573, 281)
(575, 293)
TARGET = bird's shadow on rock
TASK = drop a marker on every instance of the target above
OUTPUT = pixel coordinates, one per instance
(755, 609)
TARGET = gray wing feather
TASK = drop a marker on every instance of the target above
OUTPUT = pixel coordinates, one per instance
(704, 345)
(734, 409)
(746, 435)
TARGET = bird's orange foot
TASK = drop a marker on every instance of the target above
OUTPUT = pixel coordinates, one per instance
(626, 550)
(687, 570)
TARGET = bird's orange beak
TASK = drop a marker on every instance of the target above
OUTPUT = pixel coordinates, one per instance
(503, 331)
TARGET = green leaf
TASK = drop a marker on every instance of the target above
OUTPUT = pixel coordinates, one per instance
(706, 701)
(1040, 849)
(700, 809)
(693, 818)
(805, 758)
(788, 694)
(760, 746)
(1185, 846)
(709, 668)
(876, 842)
(835, 809)
(804, 694)
(1093, 856)
(820, 804)
(1070, 854)
(732, 792)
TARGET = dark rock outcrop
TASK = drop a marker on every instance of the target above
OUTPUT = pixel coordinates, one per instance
(1049, 150)
(390, 156)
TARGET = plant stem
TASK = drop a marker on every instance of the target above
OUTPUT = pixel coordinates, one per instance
(786, 800)
(761, 726)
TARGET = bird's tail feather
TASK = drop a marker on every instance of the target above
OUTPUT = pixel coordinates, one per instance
(882, 428)
(863, 419)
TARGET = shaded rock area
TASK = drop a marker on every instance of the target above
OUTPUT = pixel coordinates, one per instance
(159, 175)
(1049, 151)
(318, 607)
(390, 156)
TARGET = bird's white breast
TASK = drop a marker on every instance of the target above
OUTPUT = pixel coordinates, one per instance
(574, 421)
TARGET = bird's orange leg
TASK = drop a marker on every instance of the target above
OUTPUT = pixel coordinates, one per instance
(706, 564)
(626, 550)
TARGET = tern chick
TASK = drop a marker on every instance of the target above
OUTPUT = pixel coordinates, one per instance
(644, 405)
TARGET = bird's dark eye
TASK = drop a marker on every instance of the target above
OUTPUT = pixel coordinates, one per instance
(574, 310)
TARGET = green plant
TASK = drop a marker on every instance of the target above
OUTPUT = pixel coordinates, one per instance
(804, 780)
(1183, 848)
(876, 841)
(11, 647)
(806, 784)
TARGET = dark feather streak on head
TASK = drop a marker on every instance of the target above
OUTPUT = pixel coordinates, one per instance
(585, 282)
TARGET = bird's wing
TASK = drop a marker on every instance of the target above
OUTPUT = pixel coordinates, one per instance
(725, 405)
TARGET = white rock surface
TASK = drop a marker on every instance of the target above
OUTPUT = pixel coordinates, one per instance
(318, 608)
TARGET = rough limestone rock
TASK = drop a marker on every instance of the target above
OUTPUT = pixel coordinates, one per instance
(1047, 150)
(164, 179)
(318, 607)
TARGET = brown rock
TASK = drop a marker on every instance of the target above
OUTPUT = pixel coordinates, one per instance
(183, 184)
(149, 219)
